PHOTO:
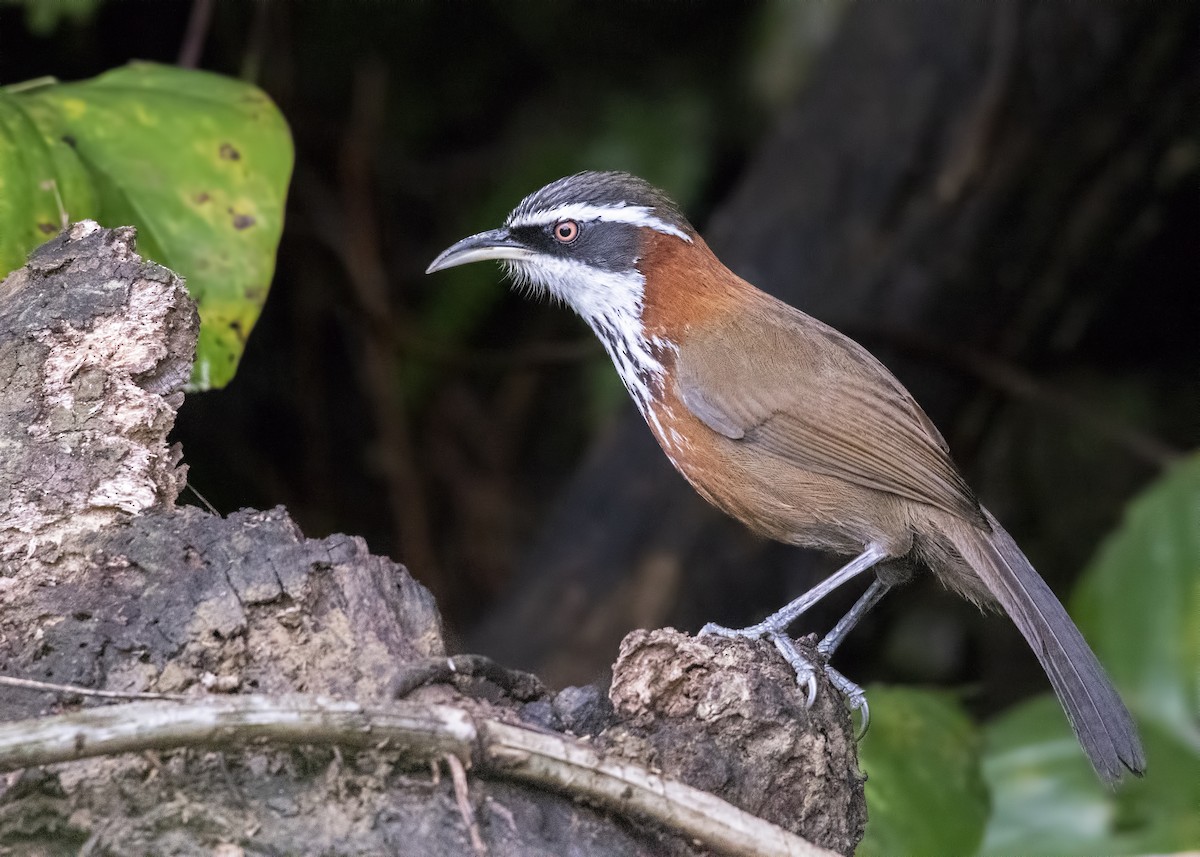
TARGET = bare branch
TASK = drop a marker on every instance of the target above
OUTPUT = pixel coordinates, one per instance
(423, 732)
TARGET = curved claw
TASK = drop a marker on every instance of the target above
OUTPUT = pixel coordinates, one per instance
(812, 691)
(856, 697)
(805, 671)
(866, 719)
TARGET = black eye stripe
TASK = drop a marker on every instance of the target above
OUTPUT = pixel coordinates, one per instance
(605, 245)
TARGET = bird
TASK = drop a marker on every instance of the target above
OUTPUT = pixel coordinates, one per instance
(790, 427)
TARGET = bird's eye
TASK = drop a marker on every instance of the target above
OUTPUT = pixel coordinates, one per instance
(566, 231)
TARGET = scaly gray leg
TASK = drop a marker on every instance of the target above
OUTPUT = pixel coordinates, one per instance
(774, 627)
(853, 693)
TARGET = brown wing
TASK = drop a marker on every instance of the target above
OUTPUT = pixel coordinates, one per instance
(817, 400)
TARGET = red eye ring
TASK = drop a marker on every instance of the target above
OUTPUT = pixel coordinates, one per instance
(565, 231)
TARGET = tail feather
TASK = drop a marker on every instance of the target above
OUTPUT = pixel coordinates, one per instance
(1101, 722)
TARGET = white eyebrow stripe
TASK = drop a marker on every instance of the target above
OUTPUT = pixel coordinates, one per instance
(637, 215)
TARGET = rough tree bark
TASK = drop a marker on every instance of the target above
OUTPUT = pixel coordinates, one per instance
(106, 584)
(952, 173)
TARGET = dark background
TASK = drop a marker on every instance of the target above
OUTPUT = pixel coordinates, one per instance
(999, 201)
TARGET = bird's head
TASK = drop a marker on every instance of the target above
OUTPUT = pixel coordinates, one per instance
(582, 239)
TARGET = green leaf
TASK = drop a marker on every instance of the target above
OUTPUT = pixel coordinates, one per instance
(1047, 799)
(199, 163)
(1139, 606)
(34, 175)
(1139, 603)
(925, 792)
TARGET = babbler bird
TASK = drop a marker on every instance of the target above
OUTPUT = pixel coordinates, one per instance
(789, 426)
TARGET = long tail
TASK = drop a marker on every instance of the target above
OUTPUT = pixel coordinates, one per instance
(1101, 722)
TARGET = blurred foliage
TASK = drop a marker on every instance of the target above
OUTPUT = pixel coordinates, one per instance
(791, 36)
(1048, 801)
(925, 792)
(199, 163)
(43, 17)
(1140, 604)
(922, 756)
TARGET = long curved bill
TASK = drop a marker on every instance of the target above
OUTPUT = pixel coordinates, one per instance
(494, 245)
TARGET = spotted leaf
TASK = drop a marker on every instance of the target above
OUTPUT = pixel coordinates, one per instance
(199, 163)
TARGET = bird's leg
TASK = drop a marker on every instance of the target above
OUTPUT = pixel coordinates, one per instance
(853, 693)
(774, 627)
(779, 621)
(865, 602)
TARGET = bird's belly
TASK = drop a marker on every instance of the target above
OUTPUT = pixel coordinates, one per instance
(779, 499)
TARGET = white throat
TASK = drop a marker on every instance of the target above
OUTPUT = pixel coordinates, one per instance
(611, 303)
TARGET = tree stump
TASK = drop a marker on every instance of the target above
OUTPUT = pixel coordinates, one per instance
(109, 586)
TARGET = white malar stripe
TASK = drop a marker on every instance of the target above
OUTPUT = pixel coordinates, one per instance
(637, 215)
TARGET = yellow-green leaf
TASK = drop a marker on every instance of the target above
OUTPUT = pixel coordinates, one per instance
(199, 163)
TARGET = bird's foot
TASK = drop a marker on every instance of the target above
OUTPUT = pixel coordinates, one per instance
(805, 669)
(856, 697)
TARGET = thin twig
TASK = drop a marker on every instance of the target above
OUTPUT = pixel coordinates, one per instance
(196, 34)
(50, 687)
(463, 798)
(211, 508)
(422, 732)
